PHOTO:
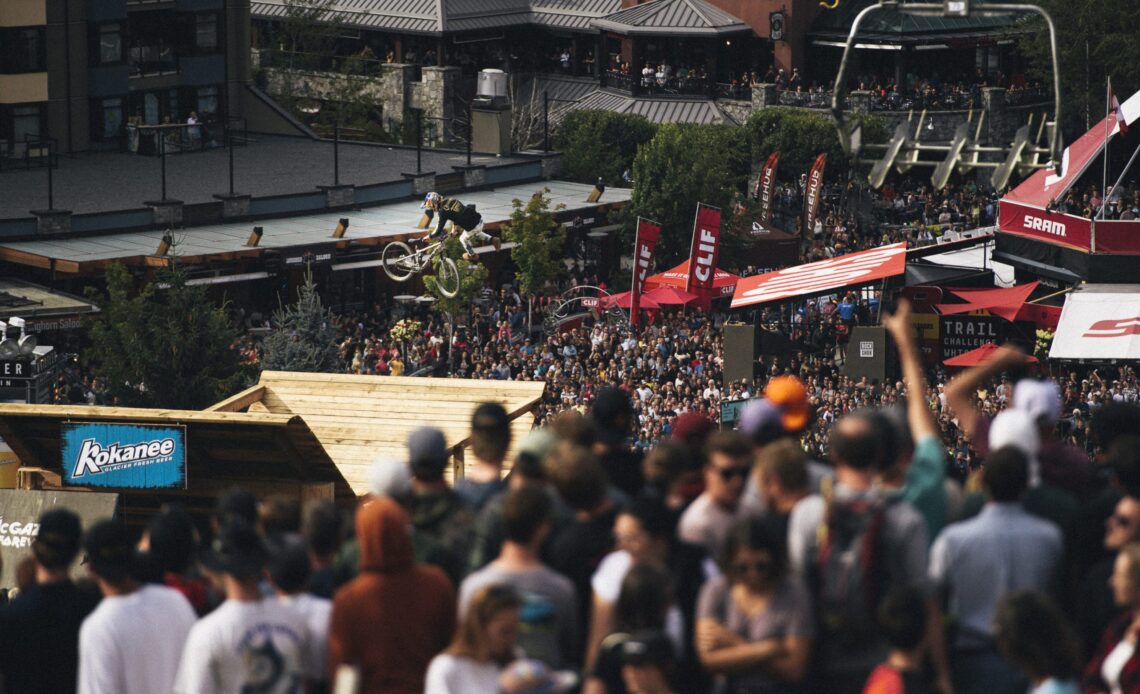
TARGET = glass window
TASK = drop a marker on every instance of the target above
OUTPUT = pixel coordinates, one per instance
(22, 50)
(206, 32)
(110, 43)
(112, 118)
(25, 123)
(207, 101)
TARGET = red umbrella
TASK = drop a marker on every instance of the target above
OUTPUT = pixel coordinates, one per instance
(670, 296)
(623, 299)
(981, 355)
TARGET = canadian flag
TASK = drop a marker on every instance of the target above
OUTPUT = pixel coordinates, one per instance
(1117, 112)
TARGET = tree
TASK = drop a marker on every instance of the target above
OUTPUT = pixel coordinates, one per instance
(1095, 38)
(600, 144)
(472, 279)
(681, 166)
(800, 136)
(538, 240)
(166, 346)
(304, 336)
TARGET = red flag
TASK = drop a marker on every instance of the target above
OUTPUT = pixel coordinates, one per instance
(704, 251)
(766, 187)
(813, 193)
(643, 245)
(1117, 112)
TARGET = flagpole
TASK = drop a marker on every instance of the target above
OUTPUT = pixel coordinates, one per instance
(1123, 173)
(1107, 132)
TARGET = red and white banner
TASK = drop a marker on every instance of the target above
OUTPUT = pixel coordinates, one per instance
(813, 193)
(766, 189)
(823, 276)
(644, 243)
(1099, 321)
(1117, 111)
(1054, 227)
(704, 251)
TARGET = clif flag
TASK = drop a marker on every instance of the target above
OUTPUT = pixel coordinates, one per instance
(813, 193)
(644, 244)
(705, 249)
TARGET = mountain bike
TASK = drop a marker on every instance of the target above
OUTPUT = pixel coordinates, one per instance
(400, 262)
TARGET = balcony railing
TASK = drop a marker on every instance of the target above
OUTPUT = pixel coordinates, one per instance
(158, 59)
(320, 62)
(639, 85)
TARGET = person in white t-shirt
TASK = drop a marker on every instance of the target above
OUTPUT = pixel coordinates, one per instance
(132, 642)
(249, 643)
(289, 572)
(484, 644)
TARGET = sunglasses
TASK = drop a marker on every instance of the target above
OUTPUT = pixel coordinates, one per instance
(759, 566)
(729, 473)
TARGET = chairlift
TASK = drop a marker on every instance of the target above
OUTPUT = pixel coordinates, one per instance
(963, 152)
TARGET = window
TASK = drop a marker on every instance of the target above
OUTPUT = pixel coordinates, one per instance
(111, 125)
(207, 101)
(110, 44)
(26, 122)
(22, 50)
(206, 33)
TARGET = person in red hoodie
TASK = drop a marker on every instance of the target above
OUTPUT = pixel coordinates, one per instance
(393, 618)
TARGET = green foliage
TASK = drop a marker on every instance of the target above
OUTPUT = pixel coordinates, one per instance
(167, 346)
(304, 335)
(801, 135)
(472, 278)
(681, 166)
(1103, 30)
(309, 29)
(600, 143)
(540, 240)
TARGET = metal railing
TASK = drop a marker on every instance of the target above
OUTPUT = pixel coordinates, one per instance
(321, 62)
(638, 85)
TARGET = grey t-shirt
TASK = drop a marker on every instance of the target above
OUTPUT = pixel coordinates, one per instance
(548, 628)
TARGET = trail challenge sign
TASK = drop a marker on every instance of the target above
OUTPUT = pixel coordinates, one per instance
(129, 456)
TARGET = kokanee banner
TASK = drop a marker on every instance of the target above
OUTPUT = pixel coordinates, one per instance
(644, 243)
(1053, 227)
(818, 278)
(813, 193)
(705, 249)
(124, 455)
(766, 188)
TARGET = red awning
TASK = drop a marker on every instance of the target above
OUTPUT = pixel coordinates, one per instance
(820, 277)
(1000, 301)
(670, 296)
(624, 299)
(1044, 316)
(723, 282)
(981, 355)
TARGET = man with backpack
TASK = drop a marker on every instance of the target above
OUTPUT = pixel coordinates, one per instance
(853, 544)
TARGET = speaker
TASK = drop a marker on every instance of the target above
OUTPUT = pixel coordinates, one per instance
(871, 353)
(740, 351)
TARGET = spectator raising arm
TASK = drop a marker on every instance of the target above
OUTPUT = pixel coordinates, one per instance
(961, 391)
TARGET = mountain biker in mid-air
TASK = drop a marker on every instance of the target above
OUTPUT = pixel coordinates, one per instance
(461, 216)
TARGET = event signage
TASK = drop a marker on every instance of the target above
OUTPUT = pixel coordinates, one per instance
(730, 411)
(644, 244)
(20, 511)
(1098, 322)
(823, 276)
(134, 456)
(766, 190)
(813, 193)
(963, 333)
(1053, 227)
(705, 249)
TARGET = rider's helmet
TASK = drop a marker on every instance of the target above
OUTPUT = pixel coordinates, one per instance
(431, 201)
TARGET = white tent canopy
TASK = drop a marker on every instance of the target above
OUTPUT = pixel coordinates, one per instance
(1099, 322)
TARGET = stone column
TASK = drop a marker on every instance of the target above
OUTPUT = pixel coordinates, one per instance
(763, 95)
(437, 95)
(474, 175)
(394, 90)
(236, 205)
(993, 103)
(343, 195)
(422, 183)
(166, 213)
(52, 222)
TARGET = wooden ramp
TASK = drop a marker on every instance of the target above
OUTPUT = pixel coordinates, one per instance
(358, 418)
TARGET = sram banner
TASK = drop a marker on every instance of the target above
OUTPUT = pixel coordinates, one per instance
(820, 277)
(1053, 227)
(137, 456)
(644, 244)
(705, 249)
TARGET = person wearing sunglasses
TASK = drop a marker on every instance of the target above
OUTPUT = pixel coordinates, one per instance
(708, 520)
(754, 622)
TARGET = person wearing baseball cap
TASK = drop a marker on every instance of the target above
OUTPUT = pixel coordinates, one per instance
(789, 394)
(45, 618)
(614, 419)
(443, 522)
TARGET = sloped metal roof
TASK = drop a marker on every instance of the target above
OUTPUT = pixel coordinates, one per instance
(571, 14)
(560, 88)
(404, 16)
(702, 111)
(674, 17)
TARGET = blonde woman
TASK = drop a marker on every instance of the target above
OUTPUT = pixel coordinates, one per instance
(483, 646)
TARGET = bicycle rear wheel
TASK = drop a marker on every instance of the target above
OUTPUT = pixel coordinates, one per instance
(398, 261)
(447, 277)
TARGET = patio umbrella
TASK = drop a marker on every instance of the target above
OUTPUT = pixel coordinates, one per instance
(978, 356)
(622, 300)
(670, 296)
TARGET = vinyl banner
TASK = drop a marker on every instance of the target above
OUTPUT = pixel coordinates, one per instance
(644, 243)
(124, 455)
(1052, 227)
(823, 276)
(20, 511)
(766, 189)
(705, 249)
(813, 193)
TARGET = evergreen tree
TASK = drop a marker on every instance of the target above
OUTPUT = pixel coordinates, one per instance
(304, 335)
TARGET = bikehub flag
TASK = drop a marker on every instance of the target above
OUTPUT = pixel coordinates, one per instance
(705, 249)
(813, 193)
(766, 189)
(644, 244)
(124, 456)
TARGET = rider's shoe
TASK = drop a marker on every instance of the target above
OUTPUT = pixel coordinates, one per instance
(497, 243)
(469, 257)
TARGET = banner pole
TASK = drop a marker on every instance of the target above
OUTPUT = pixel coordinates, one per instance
(1107, 133)
(692, 247)
(634, 290)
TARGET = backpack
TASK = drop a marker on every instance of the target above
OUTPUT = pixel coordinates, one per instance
(849, 577)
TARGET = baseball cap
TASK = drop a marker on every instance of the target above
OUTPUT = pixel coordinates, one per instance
(427, 452)
(237, 550)
(58, 539)
(389, 476)
(110, 550)
(1040, 399)
(762, 421)
(692, 428)
(613, 415)
(647, 648)
(789, 394)
(529, 676)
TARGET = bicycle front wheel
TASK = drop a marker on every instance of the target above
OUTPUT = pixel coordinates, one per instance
(447, 277)
(398, 261)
